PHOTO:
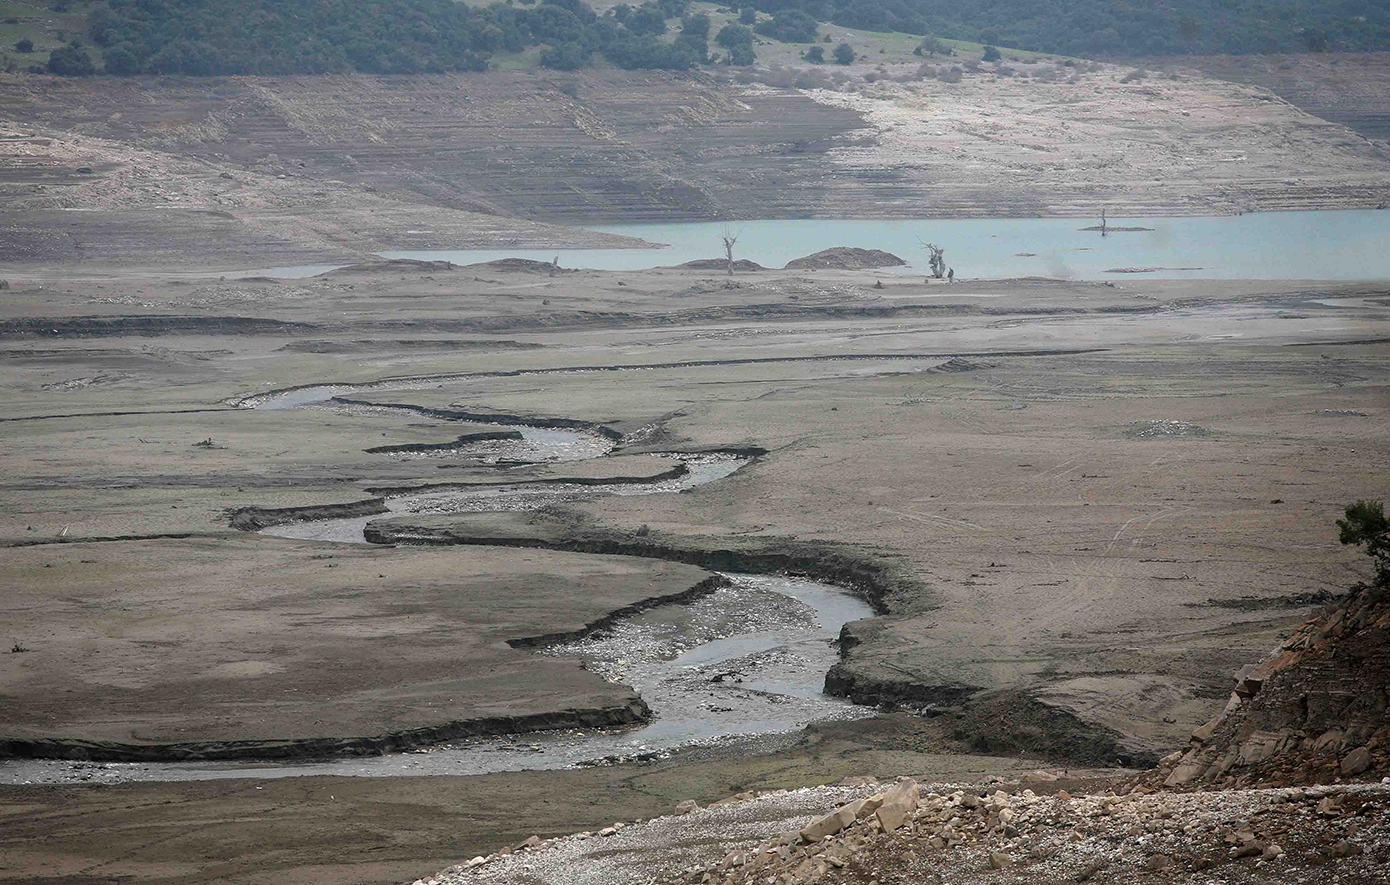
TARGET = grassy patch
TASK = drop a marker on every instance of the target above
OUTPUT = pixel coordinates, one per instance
(34, 20)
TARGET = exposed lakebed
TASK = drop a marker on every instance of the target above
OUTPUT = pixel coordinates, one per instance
(746, 660)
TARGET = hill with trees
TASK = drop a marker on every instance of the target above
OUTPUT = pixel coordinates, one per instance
(200, 37)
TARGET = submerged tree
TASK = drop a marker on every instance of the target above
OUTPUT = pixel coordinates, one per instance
(729, 238)
(938, 260)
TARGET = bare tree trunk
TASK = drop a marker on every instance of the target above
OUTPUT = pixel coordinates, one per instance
(1102, 223)
(937, 261)
(729, 238)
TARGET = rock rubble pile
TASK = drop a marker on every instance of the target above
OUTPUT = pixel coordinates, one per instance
(910, 833)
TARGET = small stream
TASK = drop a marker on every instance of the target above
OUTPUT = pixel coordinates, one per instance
(748, 660)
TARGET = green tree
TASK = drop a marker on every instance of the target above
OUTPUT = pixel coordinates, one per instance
(121, 60)
(71, 61)
(24, 44)
(742, 55)
(648, 19)
(815, 55)
(1366, 525)
(696, 27)
(991, 54)
(789, 26)
(734, 35)
(844, 54)
(748, 16)
(933, 46)
(564, 57)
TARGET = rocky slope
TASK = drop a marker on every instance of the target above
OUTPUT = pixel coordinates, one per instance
(1317, 710)
(911, 833)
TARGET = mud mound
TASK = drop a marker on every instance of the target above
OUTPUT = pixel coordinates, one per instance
(846, 258)
(1313, 712)
(390, 264)
(960, 364)
(721, 264)
(521, 265)
(375, 345)
(100, 326)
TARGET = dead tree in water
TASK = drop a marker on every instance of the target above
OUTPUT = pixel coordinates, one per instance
(1102, 222)
(729, 238)
(937, 261)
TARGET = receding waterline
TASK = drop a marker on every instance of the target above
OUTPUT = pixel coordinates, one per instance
(1315, 245)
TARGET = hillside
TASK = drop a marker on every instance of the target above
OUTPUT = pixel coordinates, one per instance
(281, 37)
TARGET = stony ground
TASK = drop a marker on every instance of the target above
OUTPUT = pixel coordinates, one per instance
(906, 833)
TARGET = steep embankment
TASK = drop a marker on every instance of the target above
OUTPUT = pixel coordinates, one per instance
(1315, 711)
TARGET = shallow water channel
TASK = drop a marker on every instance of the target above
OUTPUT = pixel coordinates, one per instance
(744, 661)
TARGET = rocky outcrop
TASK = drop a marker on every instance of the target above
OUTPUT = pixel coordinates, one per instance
(846, 258)
(1314, 711)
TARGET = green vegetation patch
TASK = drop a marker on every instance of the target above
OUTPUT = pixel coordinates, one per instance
(207, 37)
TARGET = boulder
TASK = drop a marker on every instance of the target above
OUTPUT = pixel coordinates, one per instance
(829, 825)
(898, 804)
(1356, 761)
(686, 806)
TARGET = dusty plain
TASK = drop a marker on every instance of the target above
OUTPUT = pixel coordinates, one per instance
(1083, 575)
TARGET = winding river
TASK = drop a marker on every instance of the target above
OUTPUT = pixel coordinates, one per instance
(748, 660)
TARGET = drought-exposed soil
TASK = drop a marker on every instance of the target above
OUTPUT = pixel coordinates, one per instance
(228, 648)
(1046, 568)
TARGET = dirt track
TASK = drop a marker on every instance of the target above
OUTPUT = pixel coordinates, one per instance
(1073, 553)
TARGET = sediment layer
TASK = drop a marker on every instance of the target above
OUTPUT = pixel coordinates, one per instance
(629, 713)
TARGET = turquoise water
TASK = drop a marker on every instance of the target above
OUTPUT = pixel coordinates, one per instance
(1331, 245)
